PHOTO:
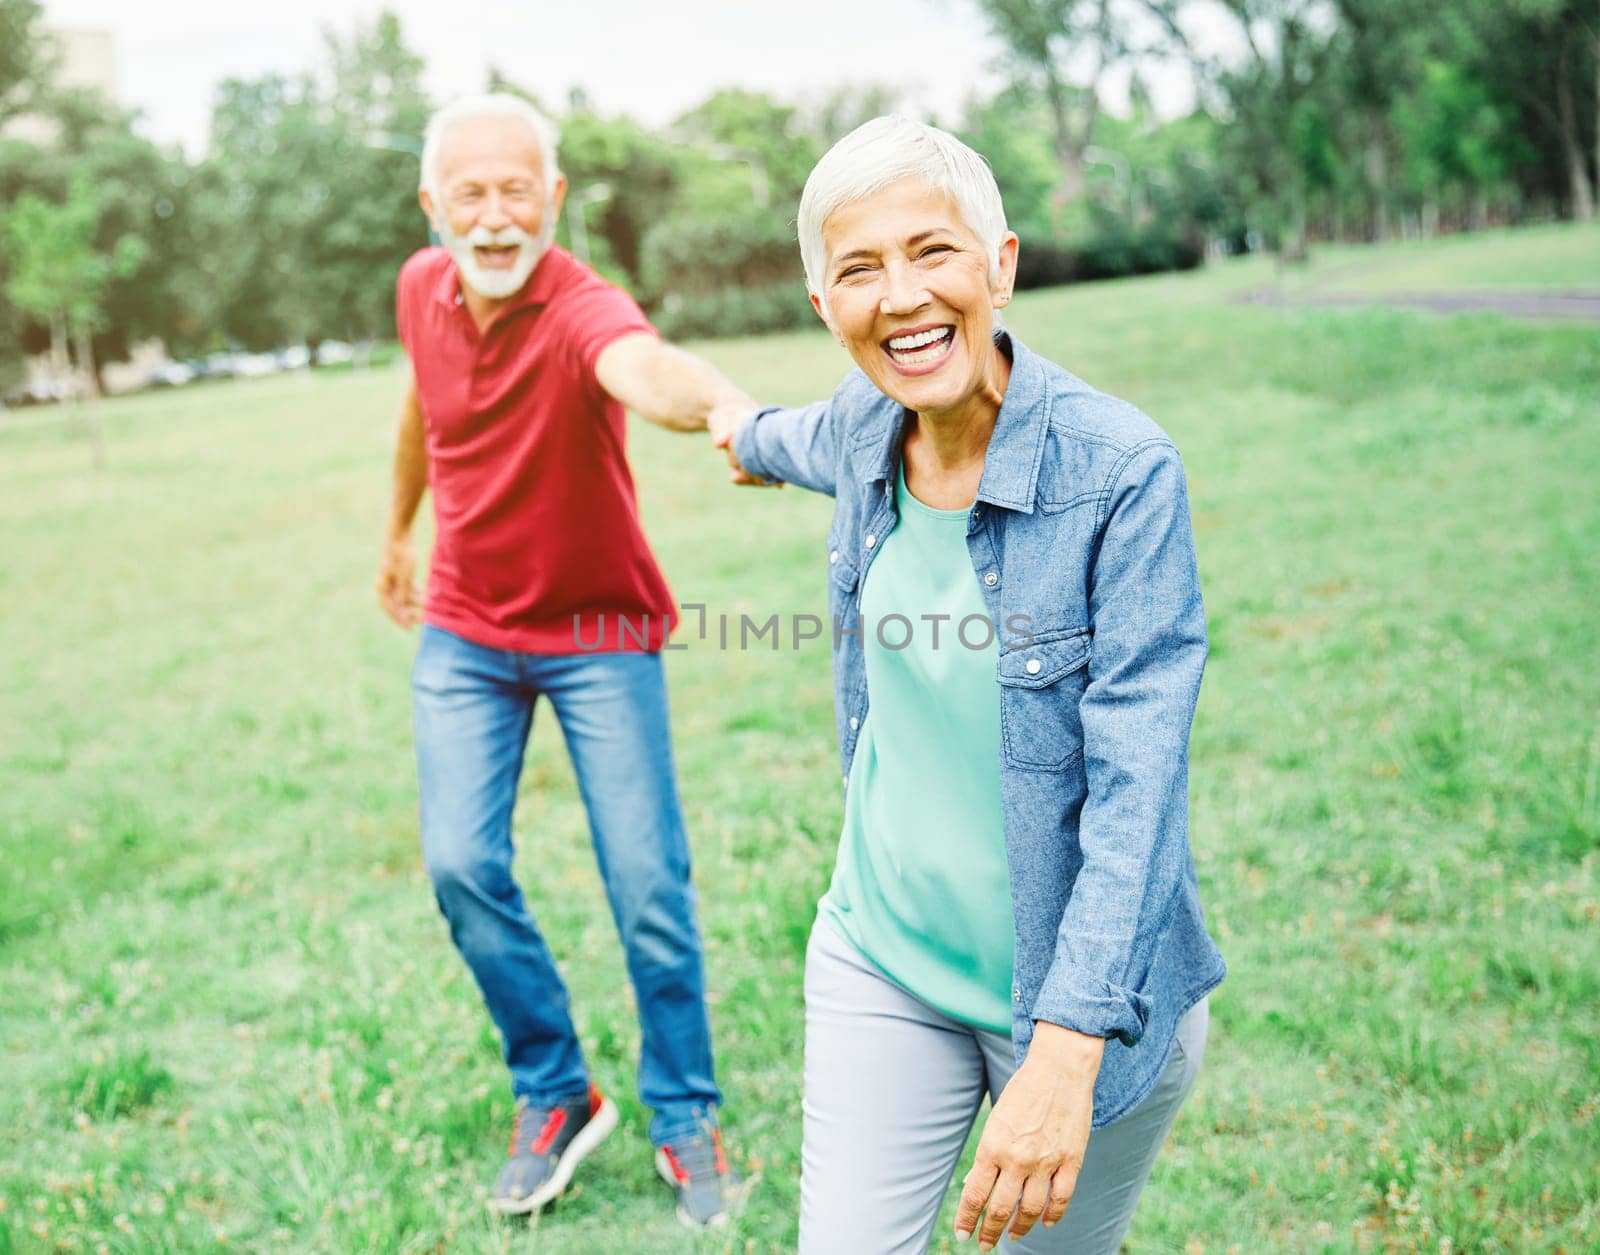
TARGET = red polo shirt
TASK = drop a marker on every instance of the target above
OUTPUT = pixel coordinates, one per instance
(538, 546)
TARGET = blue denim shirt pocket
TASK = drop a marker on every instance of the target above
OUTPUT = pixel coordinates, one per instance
(1042, 684)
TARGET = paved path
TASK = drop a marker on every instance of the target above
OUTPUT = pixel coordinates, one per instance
(1554, 303)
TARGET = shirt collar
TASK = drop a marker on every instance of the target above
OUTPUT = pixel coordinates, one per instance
(554, 268)
(1016, 446)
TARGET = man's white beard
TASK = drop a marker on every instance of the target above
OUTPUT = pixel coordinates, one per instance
(497, 284)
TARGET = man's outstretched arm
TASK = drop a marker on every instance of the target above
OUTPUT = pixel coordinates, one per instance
(675, 390)
(397, 565)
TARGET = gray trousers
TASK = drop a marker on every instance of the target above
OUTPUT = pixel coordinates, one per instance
(892, 1088)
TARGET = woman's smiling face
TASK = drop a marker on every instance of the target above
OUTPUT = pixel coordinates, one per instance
(908, 291)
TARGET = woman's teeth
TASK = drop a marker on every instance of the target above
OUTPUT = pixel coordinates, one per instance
(924, 346)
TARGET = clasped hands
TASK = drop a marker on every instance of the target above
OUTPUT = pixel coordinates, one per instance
(723, 421)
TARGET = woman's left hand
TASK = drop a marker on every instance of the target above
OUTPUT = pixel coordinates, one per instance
(1033, 1143)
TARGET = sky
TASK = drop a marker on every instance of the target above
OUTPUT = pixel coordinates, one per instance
(644, 58)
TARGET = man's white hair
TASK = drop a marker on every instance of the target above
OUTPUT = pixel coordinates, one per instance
(884, 151)
(492, 105)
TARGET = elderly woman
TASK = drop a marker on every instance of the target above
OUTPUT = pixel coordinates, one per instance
(1012, 578)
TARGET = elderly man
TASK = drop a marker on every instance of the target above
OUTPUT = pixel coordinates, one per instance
(542, 585)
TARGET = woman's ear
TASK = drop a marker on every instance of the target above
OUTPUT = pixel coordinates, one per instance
(1006, 281)
(816, 304)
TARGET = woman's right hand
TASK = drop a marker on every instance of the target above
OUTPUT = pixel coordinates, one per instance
(724, 423)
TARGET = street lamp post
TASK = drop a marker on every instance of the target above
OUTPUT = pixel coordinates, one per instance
(389, 141)
(1096, 155)
(577, 228)
(760, 185)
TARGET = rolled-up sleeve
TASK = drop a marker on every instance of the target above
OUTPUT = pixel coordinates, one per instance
(1147, 654)
(795, 446)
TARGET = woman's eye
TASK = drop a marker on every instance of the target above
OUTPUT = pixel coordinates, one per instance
(933, 250)
(855, 272)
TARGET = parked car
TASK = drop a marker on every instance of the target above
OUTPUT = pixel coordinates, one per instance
(255, 365)
(170, 375)
(334, 353)
(295, 357)
(215, 366)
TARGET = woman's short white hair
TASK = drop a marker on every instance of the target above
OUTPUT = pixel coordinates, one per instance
(492, 105)
(884, 151)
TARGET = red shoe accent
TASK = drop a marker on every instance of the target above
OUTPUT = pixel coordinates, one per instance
(595, 1101)
(547, 1135)
(678, 1170)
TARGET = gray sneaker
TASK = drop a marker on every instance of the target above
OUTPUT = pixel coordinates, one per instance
(547, 1145)
(708, 1190)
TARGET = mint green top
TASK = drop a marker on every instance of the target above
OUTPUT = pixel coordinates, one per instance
(921, 886)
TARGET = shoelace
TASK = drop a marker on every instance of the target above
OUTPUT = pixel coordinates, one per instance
(700, 1157)
(522, 1128)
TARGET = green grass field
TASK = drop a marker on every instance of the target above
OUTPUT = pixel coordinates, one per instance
(1558, 257)
(230, 1016)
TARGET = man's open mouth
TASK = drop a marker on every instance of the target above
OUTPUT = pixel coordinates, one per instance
(923, 346)
(496, 256)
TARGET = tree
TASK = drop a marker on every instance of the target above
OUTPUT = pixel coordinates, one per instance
(1013, 132)
(23, 57)
(373, 223)
(847, 107)
(1544, 56)
(1455, 140)
(760, 150)
(317, 212)
(59, 277)
(642, 174)
(1044, 37)
(142, 193)
(21, 71)
(1377, 57)
(271, 153)
(1278, 138)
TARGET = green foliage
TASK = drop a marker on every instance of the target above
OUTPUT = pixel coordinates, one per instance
(57, 274)
(1349, 119)
(692, 255)
(22, 57)
(313, 215)
(373, 221)
(1012, 131)
(751, 122)
(640, 172)
(1452, 131)
(141, 193)
(1112, 250)
(737, 311)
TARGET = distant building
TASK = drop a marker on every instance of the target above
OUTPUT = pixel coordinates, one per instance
(88, 59)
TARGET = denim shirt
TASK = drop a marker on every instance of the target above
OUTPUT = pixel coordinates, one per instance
(1080, 540)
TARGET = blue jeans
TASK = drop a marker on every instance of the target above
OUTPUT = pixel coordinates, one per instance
(473, 711)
